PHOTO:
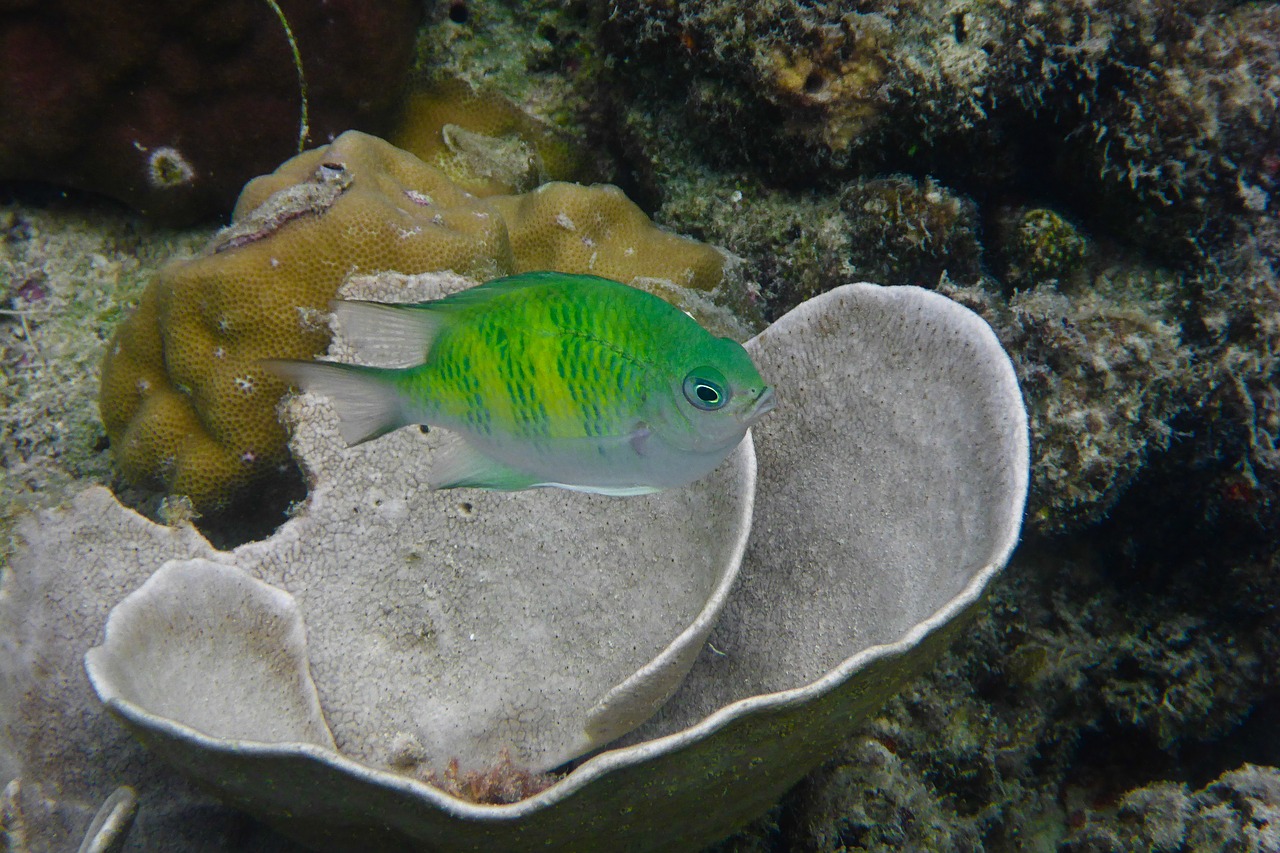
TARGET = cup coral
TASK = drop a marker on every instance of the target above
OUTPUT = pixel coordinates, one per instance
(893, 476)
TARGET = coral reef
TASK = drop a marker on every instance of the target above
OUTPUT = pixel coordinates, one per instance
(1181, 121)
(1240, 810)
(185, 402)
(1105, 373)
(794, 246)
(1238, 312)
(543, 54)
(1105, 666)
(910, 231)
(172, 107)
(214, 648)
(1097, 334)
(1106, 171)
(1039, 245)
(484, 142)
(1160, 117)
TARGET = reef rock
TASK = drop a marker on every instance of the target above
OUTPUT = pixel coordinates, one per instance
(171, 107)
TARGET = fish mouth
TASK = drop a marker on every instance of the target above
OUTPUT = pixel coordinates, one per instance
(764, 405)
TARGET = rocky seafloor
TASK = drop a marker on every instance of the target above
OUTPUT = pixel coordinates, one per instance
(1096, 180)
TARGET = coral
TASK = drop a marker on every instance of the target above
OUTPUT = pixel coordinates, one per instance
(1240, 810)
(1039, 246)
(1105, 372)
(795, 245)
(1156, 119)
(184, 401)
(833, 77)
(1110, 151)
(1239, 311)
(483, 142)
(1105, 663)
(948, 446)
(1185, 125)
(172, 107)
(910, 231)
(1099, 346)
(815, 90)
(542, 54)
(897, 810)
(564, 227)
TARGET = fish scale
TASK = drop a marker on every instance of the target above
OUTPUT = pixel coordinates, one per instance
(557, 377)
(547, 379)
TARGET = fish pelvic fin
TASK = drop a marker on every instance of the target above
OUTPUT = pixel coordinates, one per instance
(366, 398)
(611, 491)
(386, 334)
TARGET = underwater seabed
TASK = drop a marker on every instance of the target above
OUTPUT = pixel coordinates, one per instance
(1103, 695)
(421, 620)
(1097, 181)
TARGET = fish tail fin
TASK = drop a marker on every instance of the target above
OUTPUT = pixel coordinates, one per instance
(391, 335)
(366, 398)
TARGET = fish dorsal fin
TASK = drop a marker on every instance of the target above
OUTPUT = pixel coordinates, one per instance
(400, 335)
(389, 335)
(459, 464)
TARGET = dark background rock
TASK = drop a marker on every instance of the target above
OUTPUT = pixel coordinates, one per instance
(123, 98)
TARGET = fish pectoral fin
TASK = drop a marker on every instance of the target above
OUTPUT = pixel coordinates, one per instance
(639, 439)
(460, 465)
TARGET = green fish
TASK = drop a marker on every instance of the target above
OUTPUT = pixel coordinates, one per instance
(547, 379)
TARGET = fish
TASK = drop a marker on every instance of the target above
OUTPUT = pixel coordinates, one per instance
(545, 379)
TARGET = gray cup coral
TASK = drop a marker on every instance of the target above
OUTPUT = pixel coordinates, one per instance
(891, 483)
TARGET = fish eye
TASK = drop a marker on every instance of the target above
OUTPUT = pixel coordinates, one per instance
(706, 389)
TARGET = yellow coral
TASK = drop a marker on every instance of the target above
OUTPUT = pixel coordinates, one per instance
(483, 142)
(599, 230)
(838, 80)
(186, 405)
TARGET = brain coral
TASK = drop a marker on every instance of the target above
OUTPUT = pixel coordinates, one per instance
(184, 402)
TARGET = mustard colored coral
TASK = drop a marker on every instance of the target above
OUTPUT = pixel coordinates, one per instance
(598, 230)
(185, 403)
(484, 142)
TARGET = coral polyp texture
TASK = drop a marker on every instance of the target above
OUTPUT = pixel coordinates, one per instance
(185, 403)
(172, 107)
(483, 141)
